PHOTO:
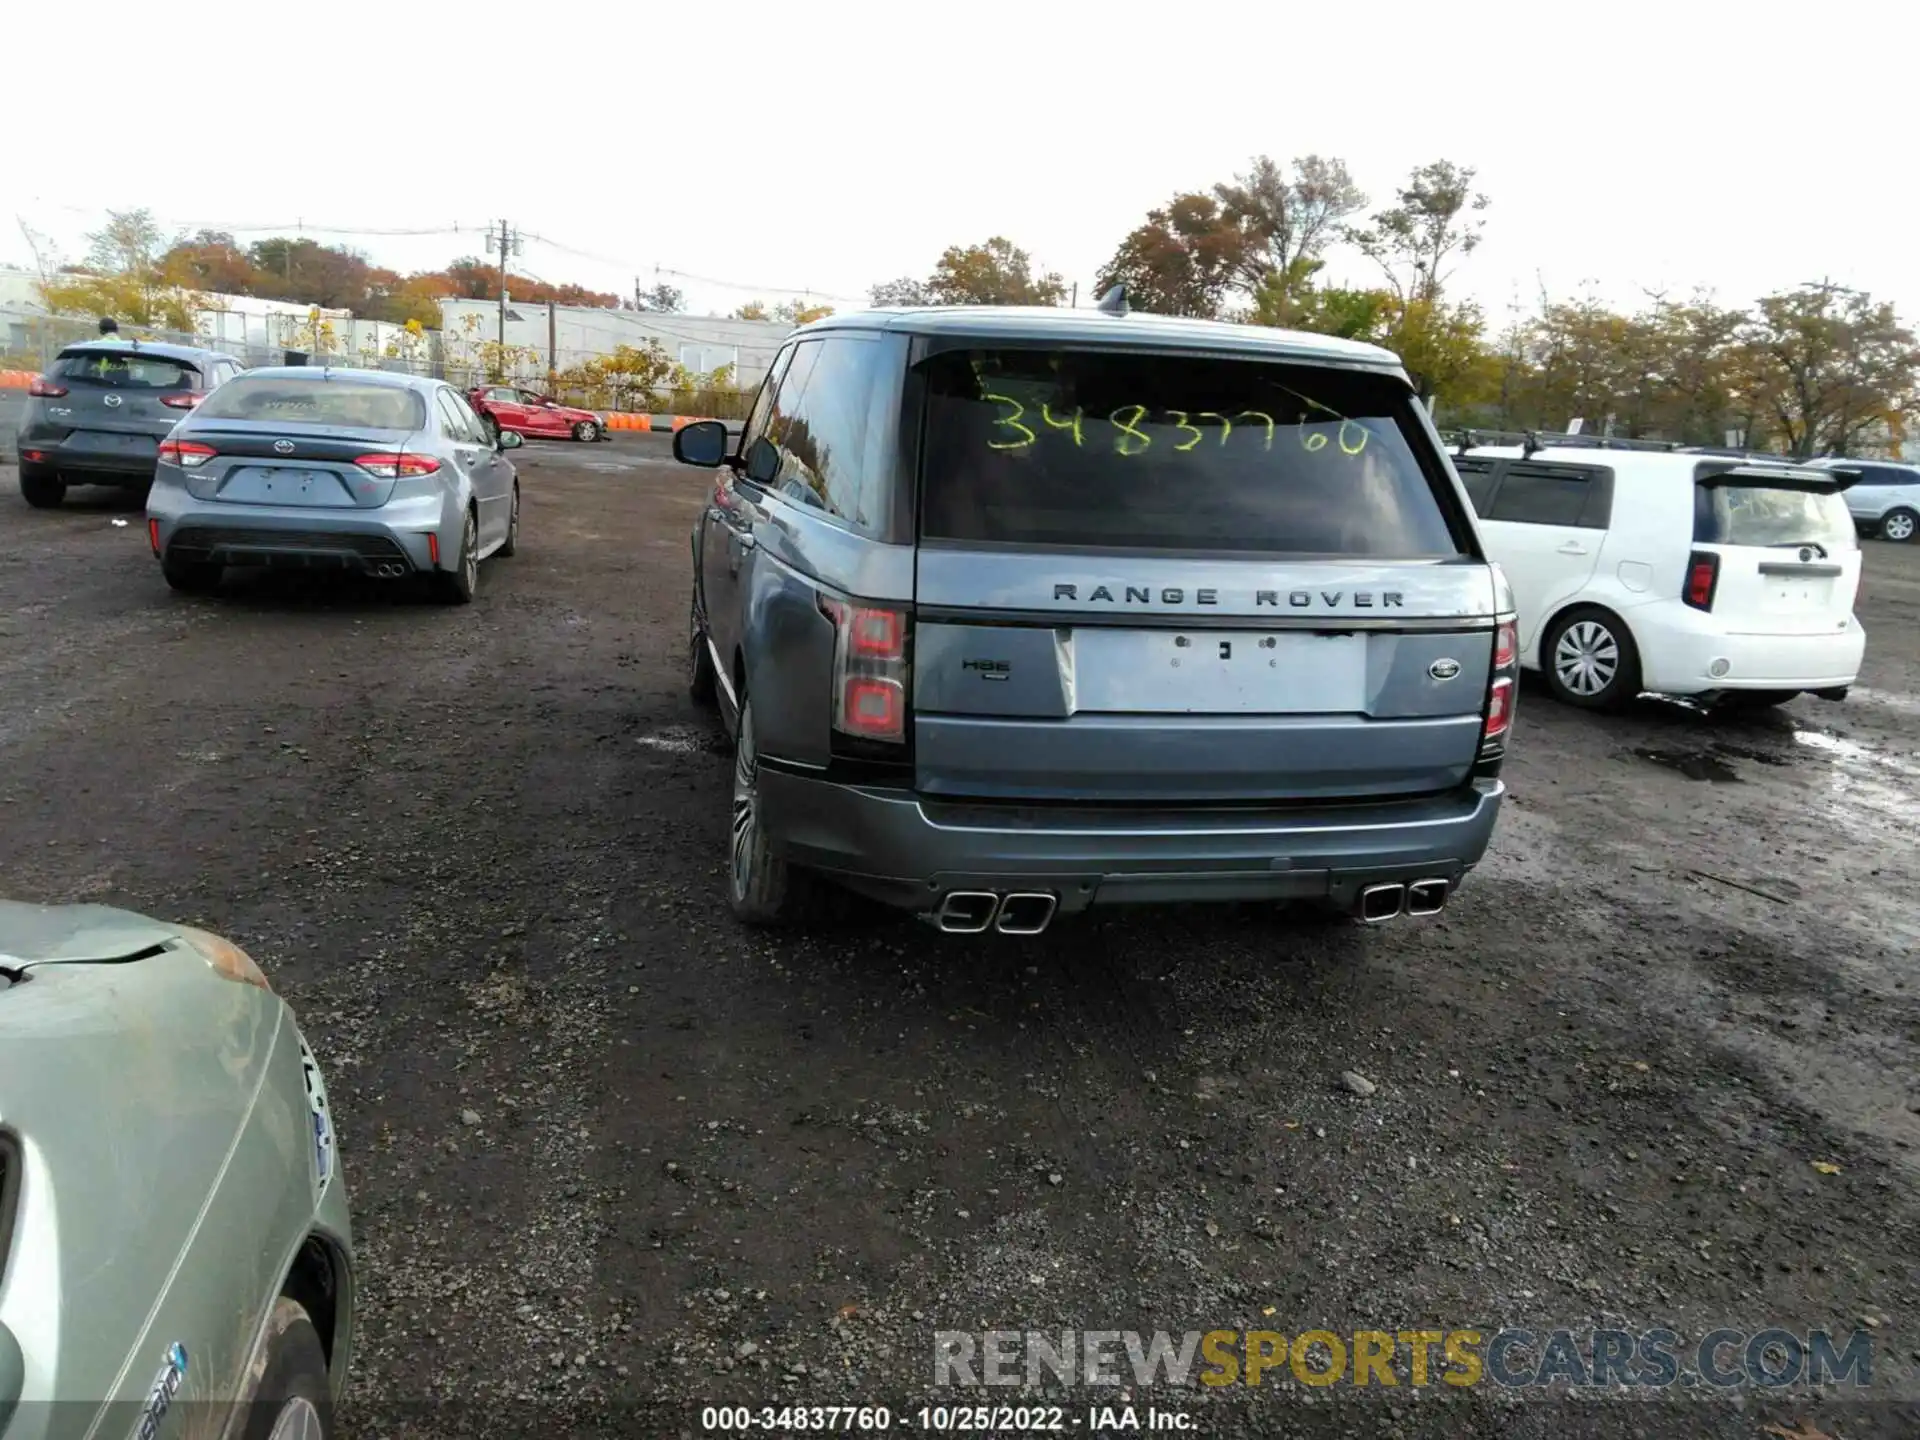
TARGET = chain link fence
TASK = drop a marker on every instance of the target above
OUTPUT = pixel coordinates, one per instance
(30, 340)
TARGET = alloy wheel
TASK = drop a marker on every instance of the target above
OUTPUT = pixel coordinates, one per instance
(298, 1420)
(1587, 658)
(746, 805)
(1898, 527)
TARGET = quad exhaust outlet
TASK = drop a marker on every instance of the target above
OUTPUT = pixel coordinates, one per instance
(972, 912)
(1389, 901)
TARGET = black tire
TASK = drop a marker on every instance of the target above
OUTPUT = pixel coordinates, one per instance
(586, 432)
(702, 684)
(762, 888)
(294, 1379)
(511, 545)
(41, 489)
(192, 577)
(457, 586)
(1899, 525)
(1611, 677)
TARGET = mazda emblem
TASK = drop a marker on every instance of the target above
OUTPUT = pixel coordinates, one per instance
(113, 402)
(1444, 669)
(283, 447)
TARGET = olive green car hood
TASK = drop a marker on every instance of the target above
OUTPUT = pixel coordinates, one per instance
(53, 934)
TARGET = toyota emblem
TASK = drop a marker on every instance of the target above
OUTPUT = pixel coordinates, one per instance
(1444, 669)
(283, 447)
(113, 402)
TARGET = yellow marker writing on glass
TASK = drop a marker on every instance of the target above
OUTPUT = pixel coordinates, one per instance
(1127, 431)
(1011, 422)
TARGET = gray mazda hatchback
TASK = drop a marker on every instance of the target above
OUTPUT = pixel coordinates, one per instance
(98, 414)
(1014, 612)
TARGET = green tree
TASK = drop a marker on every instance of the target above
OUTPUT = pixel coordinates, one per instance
(663, 298)
(996, 272)
(800, 312)
(1184, 259)
(1826, 366)
(903, 291)
(1290, 219)
(753, 310)
(1433, 222)
(211, 260)
(122, 277)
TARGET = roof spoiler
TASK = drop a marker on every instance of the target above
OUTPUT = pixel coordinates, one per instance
(1813, 480)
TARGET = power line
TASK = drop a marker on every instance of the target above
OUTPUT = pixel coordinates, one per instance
(689, 275)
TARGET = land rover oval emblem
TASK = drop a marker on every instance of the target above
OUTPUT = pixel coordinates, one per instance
(1444, 669)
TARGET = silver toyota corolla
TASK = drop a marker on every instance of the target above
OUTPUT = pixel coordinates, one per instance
(388, 475)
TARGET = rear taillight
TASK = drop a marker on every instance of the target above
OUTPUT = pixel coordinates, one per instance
(40, 385)
(1703, 578)
(397, 467)
(181, 402)
(34, 457)
(1499, 709)
(186, 453)
(1503, 689)
(1506, 645)
(869, 670)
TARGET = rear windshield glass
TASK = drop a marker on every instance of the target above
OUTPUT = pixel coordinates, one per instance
(124, 370)
(1757, 515)
(315, 402)
(1156, 452)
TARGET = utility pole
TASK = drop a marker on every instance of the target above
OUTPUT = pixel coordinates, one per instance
(507, 242)
(553, 353)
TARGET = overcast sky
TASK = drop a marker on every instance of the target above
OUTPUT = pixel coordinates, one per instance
(827, 146)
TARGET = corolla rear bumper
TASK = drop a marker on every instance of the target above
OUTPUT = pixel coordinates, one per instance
(399, 538)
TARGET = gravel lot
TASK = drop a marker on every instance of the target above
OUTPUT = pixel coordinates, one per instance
(612, 1154)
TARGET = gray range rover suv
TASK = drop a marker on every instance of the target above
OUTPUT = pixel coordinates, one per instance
(1012, 612)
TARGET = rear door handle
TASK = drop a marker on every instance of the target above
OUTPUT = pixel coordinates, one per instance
(1573, 547)
(747, 542)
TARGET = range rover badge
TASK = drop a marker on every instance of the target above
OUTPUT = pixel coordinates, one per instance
(1444, 669)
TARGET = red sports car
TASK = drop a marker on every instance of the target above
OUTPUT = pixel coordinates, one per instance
(504, 407)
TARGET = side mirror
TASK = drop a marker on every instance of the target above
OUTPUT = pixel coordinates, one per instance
(511, 440)
(703, 443)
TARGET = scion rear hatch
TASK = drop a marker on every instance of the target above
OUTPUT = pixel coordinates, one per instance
(1774, 548)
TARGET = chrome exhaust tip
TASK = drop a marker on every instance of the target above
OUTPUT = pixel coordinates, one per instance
(1025, 913)
(1381, 903)
(1428, 897)
(967, 912)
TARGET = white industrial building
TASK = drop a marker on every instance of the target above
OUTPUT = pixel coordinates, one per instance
(702, 343)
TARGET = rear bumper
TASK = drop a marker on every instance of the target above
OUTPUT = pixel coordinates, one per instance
(82, 466)
(1677, 653)
(375, 541)
(909, 850)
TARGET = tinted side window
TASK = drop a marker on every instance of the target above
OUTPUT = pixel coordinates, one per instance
(451, 420)
(1542, 495)
(821, 428)
(763, 402)
(476, 431)
(1477, 476)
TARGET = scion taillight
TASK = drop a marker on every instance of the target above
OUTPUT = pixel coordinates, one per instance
(1703, 578)
(186, 453)
(396, 467)
(869, 670)
(41, 385)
